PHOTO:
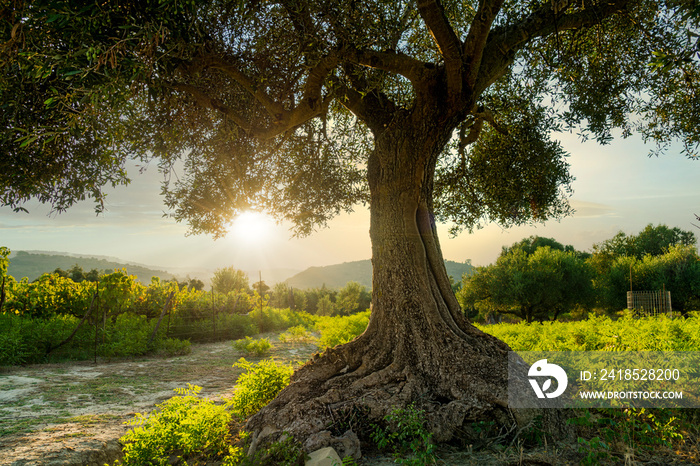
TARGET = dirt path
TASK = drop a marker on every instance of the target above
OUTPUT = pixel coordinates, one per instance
(74, 413)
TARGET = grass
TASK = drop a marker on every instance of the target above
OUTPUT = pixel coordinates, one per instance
(21, 425)
(92, 419)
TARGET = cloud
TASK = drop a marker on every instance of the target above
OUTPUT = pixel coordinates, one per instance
(584, 209)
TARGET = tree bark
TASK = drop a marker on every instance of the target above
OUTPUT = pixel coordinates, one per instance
(418, 347)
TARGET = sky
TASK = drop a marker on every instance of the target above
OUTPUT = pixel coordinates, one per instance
(618, 187)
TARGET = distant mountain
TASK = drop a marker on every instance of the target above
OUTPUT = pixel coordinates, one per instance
(333, 276)
(336, 276)
(457, 269)
(33, 265)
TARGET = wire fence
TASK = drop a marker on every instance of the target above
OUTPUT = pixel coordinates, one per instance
(650, 303)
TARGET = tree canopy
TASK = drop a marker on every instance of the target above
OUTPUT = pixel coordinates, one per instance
(273, 105)
(652, 240)
(228, 279)
(538, 283)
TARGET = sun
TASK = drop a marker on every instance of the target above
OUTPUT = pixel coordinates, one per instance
(252, 227)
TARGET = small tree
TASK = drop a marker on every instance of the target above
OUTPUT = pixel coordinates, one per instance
(261, 287)
(76, 273)
(652, 240)
(195, 284)
(677, 271)
(229, 279)
(352, 298)
(536, 286)
(325, 306)
(280, 296)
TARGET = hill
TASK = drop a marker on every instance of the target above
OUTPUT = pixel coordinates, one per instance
(33, 265)
(336, 276)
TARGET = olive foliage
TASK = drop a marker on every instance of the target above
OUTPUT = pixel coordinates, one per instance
(275, 105)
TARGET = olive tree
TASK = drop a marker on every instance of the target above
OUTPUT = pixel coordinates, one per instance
(228, 279)
(425, 110)
(533, 285)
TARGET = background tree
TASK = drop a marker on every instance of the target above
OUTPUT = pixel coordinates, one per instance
(261, 287)
(647, 257)
(351, 298)
(538, 285)
(193, 284)
(325, 306)
(314, 296)
(425, 110)
(652, 240)
(284, 296)
(228, 279)
(529, 246)
(677, 271)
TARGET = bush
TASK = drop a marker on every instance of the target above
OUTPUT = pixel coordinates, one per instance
(602, 334)
(272, 320)
(187, 426)
(258, 385)
(174, 347)
(296, 333)
(13, 351)
(128, 337)
(406, 434)
(257, 347)
(339, 330)
(234, 326)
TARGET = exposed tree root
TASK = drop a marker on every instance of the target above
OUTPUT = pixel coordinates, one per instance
(456, 381)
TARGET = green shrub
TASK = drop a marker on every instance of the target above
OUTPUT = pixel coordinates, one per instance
(611, 432)
(128, 336)
(186, 426)
(257, 347)
(258, 385)
(234, 326)
(339, 330)
(296, 333)
(173, 347)
(602, 334)
(407, 436)
(13, 351)
(272, 320)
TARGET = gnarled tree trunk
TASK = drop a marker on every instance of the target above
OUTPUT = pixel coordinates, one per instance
(418, 347)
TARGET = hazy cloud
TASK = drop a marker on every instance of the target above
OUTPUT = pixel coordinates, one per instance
(586, 209)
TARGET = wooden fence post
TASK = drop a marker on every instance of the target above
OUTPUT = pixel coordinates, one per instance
(2, 294)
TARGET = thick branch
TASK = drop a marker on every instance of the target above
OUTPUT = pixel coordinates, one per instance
(481, 115)
(503, 43)
(312, 104)
(547, 21)
(433, 15)
(475, 41)
(486, 114)
(368, 107)
(393, 62)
